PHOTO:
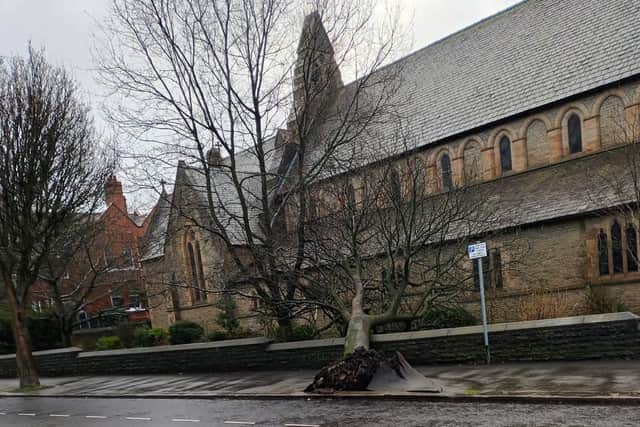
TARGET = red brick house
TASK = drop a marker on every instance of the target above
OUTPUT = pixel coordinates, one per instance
(103, 281)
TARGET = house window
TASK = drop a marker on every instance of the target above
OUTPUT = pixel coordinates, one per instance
(134, 299)
(616, 247)
(491, 270)
(603, 253)
(116, 298)
(632, 248)
(574, 125)
(445, 169)
(127, 258)
(505, 154)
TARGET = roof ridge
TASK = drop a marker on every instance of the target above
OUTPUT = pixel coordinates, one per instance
(443, 39)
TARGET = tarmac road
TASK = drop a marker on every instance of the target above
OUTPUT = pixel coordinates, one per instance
(53, 412)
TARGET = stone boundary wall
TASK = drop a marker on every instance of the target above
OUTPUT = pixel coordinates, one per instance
(573, 338)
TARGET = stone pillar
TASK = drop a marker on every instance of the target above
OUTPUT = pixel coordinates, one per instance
(555, 144)
(632, 115)
(591, 134)
(519, 155)
(488, 168)
(458, 171)
(432, 179)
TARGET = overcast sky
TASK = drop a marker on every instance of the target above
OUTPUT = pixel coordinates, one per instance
(64, 27)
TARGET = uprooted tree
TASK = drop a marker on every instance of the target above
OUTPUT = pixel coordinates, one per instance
(51, 171)
(385, 251)
(196, 80)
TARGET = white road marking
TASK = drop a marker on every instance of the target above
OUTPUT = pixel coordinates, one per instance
(184, 420)
(137, 418)
(59, 415)
(243, 423)
(302, 425)
(3, 413)
(96, 417)
(26, 414)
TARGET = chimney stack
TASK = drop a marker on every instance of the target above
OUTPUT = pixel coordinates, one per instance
(214, 158)
(114, 195)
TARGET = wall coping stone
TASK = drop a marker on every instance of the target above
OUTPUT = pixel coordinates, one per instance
(182, 347)
(46, 352)
(503, 327)
(300, 345)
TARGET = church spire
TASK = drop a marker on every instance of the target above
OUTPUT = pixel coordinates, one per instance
(317, 75)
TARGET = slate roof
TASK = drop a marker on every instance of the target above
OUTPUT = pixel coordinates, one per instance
(229, 209)
(533, 54)
(153, 242)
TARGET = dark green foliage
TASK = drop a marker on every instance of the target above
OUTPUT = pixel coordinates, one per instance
(227, 318)
(304, 332)
(6, 334)
(185, 332)
(45, 332)
(217, 336)
(148, 337)
(108, 343)
(446, 317)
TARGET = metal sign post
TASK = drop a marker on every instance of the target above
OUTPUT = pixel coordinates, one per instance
(479, 251)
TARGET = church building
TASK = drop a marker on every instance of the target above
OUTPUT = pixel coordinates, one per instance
(538, 106)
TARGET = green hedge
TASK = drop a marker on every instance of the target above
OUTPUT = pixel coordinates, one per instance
(185, 332)
(108, 343)
(148, 337)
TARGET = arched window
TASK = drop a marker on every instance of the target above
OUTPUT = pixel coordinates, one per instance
(446, 173)
(574, 127)
(603, 253)
(194, 272)
(616, 247)
(201, 282)
(632, 248)
(505, 154)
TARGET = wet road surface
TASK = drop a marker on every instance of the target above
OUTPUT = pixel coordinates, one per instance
(54, 412)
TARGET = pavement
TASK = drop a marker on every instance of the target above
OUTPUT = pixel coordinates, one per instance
(595, 382)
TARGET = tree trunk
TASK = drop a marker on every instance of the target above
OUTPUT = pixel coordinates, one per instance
(359, 328)
(358, 333)
(66, 331)
(26, 366)
(285, 327)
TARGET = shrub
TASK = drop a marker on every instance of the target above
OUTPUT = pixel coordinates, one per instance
(303, 332)
(541, 304)
(226, 317)
(148, 337)
(446, 317)
(217, 336)
(601, 301)
(108, 343)
(185, 332)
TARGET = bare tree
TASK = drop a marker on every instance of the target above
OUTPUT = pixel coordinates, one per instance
(385, 251)
(76, 270)
(200, 77)
(51, 170)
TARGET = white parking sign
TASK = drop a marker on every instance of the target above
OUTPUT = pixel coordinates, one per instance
(479, 250)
